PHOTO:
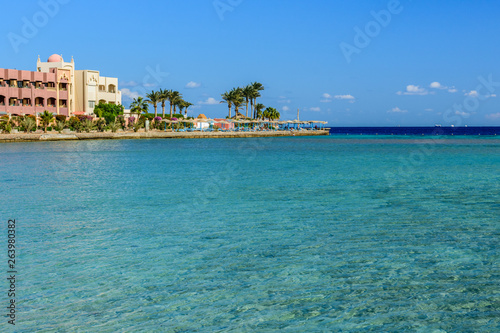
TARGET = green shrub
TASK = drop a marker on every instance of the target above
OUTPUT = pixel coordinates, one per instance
(88, 125)
(138, 125)
(28, 124)
(61, 117)
(59, 126)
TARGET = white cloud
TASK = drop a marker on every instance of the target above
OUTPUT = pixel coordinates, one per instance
(437, 85)
(472, 93)
(192, 85)
(397, 110)
(284, 100)
(493, 116)
(285, 108)
(327, 98)
(413, 90)
(348, 97)
(209, 101)
(128, 84)
(129, 94)
(149, 84)
(315, 109)
(463, 114)
(475, 94)
(429, 110)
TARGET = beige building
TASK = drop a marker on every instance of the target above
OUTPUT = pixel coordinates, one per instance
(92, 89)
(87, 88)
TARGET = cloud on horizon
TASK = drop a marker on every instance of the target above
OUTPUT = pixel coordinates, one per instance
(397, 110)
(493, 116)
(193, 85)
(414, 90)
(284, 100)
(327, 98)
(209, 101)
(437, 85)
(129, 94)
(474, 93)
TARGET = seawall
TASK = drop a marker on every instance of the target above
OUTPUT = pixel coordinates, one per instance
(25, 137)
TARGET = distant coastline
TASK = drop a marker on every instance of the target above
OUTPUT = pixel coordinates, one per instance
(416, 130)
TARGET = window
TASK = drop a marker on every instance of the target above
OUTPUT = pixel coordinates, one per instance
(39, 101)
(91, 104)
(20, 84)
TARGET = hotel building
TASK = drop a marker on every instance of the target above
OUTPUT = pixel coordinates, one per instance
(56, 87)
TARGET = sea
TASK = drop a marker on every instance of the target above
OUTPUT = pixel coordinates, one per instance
(340, 233)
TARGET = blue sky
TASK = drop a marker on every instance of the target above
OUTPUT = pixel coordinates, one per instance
(426, 63)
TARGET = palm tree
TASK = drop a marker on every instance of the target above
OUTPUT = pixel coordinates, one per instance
(275, 115)
(238, 99)
(174, 96)
(186, 106)
(248, 92)
(138, 105)
(168, 94)
(258, 110)
(271, 114)
(228, 98)
(180, 104)
(46, 117)
(257, 87)
(153, 98)
(164, 96)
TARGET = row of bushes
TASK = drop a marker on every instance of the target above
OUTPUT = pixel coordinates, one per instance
(84, 123)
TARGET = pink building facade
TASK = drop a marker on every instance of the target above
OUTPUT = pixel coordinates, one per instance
(26, 92)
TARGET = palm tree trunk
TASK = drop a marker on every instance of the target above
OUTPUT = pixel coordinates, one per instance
(247, 109)
(229, 106)
(156, 113)
(170, 110)
(163, 110)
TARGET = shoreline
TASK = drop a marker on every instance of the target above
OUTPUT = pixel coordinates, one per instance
(41, 137)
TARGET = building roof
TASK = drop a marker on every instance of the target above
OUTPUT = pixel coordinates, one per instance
(55, 58)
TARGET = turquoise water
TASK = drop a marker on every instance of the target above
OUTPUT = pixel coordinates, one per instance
(322, 234)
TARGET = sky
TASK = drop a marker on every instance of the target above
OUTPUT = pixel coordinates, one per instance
(351, 63)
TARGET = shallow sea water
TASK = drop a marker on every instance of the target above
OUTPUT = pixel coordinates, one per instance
(310, 234)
